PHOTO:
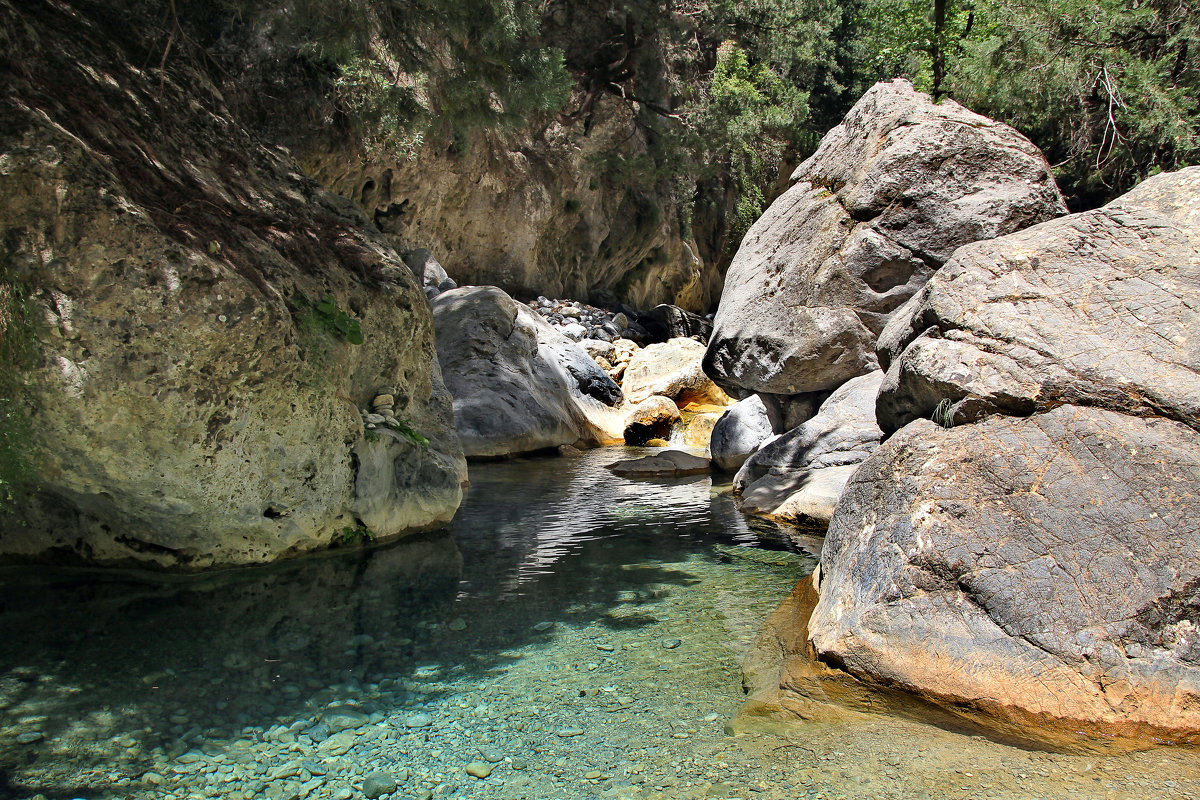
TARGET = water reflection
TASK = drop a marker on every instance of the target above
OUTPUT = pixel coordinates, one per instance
(117, 673)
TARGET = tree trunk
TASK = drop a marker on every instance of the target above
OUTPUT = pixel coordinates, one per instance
(938, 53)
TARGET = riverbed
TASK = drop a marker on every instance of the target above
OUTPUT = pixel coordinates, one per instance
(572, 635)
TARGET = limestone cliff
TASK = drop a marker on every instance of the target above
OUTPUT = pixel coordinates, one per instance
(533, 217)
(194, 404)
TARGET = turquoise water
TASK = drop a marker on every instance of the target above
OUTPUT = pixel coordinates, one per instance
(573, 635)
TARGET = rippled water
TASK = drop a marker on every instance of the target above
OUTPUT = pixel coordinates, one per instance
(575, 635)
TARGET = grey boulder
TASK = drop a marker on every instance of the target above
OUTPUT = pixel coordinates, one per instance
(1040, 569)
(518, 384)
(889, 194)
(739, 432)
(1100, 308)
(799, 475)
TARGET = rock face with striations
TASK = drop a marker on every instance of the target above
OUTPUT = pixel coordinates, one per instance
(1100, 308)
(518, 384)
(1038, 569)
(192, 404)
(889, 194)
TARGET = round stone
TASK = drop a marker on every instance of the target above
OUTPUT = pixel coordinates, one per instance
(418, 721)
(479, 769)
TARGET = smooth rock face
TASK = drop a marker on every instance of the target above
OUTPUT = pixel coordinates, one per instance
(518, 384)
(1100, 308)
(1039, 569)
(787, 477)
(738, 433)
(671, 369)
(190, 409)
(890, 193)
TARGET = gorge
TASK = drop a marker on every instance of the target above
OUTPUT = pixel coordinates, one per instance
(493, 444)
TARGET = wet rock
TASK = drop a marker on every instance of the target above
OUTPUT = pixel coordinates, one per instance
(738, 433)
(650, 419)
(1038, 569)
(665, 464)
(376, 784)
(890, 193)
(479, 769)
(1095, 309)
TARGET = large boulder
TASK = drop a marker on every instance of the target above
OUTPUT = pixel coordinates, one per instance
(196, 306)
(889, 194)
(672, 369)
(799, 476)
(1100, 308)
(738, 433)
(665, 321)
(1041, 569)
(518, 384)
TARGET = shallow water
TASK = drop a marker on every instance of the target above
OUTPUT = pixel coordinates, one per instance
(575, 635)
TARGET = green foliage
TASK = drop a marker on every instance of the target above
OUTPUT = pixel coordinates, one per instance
(19, 351)
(397, 72)
(405, 429)
(943, 413)
(357, 534)
(1108, 89)
(324, 315)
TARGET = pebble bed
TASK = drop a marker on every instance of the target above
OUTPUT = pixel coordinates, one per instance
(575, 653)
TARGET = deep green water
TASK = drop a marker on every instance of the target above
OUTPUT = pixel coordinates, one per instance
(574, 635)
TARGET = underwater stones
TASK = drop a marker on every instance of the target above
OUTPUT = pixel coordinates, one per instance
(885, 200)
(418, 721)
(378, 783)
(479, 769)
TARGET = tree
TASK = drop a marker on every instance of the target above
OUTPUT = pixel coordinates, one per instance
(1109, 89)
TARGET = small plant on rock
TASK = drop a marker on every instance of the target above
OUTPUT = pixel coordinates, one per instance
(943, 413)
(357, 534)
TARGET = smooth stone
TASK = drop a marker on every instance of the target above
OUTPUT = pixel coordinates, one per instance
(492, 756)
(339, 744)
(341, 718)
(542, 627)
(671, 644)
(457, 624)
(418, 721)
(569, 732)
(479, 769)
(378, 783)
(30, 737)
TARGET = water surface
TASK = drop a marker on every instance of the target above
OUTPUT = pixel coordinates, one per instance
(574, 635)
